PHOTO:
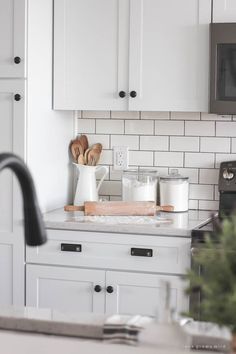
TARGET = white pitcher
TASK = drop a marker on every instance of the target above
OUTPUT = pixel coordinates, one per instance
(87, 188)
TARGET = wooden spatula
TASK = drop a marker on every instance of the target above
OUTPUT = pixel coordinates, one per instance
(119, 208)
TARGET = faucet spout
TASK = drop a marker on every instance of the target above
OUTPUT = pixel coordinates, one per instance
(35, 233)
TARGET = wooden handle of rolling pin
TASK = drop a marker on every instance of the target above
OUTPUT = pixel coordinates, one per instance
(119, 208)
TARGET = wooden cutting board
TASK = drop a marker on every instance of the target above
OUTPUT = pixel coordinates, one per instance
(119, 208)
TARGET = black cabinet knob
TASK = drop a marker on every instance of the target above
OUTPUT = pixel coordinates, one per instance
(97, 288)
(122, 94)
(17, 60)
(110, 289)
(17, 97)
(133, 94)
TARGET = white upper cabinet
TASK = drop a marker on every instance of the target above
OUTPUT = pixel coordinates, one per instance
(224, 11)
(90, 51)
(169, 68)
(131, 54)
(12, 38)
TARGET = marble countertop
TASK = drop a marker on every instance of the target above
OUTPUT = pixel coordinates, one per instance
(169, 224)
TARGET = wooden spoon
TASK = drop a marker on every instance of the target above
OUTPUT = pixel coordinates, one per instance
(84, 142)
(93, 157)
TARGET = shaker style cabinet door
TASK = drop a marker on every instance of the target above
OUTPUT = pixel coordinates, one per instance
(91, 54)
(224, 11)
(169, 54)
(66, 289)
(140, 293)
(12, 38)
(12, 110)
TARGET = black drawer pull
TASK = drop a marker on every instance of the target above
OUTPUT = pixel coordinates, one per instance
(71, 247)
(141, 252)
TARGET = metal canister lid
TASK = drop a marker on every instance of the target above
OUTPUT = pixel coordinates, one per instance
(173, 175)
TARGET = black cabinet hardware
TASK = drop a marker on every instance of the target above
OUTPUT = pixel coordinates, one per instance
(17, 60)
(71, 247)
(133, 94)
(110, 289)
(122, 94)
(98, 288)
(17, 97)
(141, 252)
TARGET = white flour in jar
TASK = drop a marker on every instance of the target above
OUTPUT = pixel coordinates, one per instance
(174, 192)
(133, 190)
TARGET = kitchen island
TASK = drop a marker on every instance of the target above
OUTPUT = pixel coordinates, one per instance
(25, 331)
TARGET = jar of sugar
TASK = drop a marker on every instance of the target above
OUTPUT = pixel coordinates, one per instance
(139, 185)
(174, 190)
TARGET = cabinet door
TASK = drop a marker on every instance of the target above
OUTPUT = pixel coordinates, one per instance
(11, 231)
(90, 54)
(169, 46)
(66, 289)
(224, 11)
(140, 293)
(12, 38)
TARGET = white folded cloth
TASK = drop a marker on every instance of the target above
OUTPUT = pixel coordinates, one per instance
(124, 328)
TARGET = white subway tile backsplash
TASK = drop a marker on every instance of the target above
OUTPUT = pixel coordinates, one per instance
(98, 138)
(163, 127)
(115, 175)
(106, 157)
(125, 115)
(193, 142)
(193, 204)
(132, 141)
(96, 114)
(141, 158)
(109, 126)
(216, 193)
(224, 157)
(139, 127)
(185, 115)
(174, 159)
(154, 143)
(208, 176)
(110, 188)
(233, 145)
(209, 204)
(210, 116)
(86, 126)
(214, 144)
(178, 143)
(155, 115)
(197, 159)
(191, 173)
(200, 128)
(226, 129)
(201, 191)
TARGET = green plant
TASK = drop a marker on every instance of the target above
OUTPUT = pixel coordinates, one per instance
(217, 281)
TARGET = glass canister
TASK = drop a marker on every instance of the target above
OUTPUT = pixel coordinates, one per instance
(174, 190)
(139, 185)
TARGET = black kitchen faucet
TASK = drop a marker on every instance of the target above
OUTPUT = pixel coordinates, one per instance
(35, 233)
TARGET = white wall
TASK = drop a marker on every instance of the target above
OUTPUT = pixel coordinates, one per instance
(49, 132)
(195, 143)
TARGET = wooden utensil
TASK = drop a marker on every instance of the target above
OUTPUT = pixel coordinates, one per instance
(119, 208)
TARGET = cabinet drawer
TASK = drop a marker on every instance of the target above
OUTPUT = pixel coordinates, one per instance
(113, 251)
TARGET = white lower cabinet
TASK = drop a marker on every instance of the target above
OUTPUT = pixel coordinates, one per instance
(140, 293)
(66, 289)
(98, 291)
(84, 271)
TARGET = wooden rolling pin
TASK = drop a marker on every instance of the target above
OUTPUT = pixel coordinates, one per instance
(119, 208)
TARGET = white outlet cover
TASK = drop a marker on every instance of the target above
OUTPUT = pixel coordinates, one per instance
(120, 157)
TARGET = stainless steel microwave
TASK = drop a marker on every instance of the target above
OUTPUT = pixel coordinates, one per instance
(223, 68)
